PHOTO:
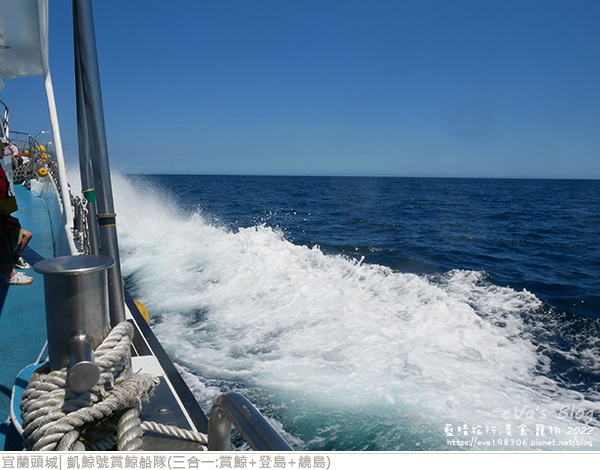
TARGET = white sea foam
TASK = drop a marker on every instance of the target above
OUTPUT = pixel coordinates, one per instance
(325, 334)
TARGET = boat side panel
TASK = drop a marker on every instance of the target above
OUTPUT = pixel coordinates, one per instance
(185, 395)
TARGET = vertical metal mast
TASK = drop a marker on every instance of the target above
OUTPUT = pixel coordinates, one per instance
(88, 79)
(85, 163)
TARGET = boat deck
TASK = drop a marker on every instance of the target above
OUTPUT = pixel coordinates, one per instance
(20, 347)
(21, 305)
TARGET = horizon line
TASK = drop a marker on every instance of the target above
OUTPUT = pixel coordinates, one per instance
(338, 175)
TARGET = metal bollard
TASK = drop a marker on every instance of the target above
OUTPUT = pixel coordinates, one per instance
(77, 313)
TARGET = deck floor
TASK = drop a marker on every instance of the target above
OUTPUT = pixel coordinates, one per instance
(22, 317)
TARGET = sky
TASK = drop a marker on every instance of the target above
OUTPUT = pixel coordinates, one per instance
(439, 88)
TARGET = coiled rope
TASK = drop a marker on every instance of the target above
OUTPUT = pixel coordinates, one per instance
(56, 417)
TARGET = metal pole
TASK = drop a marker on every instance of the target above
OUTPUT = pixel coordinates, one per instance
(5, 131)
(85, 164)
(83, 26)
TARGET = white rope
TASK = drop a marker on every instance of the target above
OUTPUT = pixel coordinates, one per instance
(174, 431)
(56, 417)
(130, 432)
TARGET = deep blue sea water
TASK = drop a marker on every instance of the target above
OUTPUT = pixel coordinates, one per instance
(379, 313)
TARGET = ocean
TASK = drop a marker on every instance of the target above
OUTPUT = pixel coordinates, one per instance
(378, 314)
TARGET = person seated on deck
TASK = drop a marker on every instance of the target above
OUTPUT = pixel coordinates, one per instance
(18, 237)
(12, 150)
(18, 159)
(7, 267)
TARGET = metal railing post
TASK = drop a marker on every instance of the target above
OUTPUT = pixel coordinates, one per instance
(232, 408)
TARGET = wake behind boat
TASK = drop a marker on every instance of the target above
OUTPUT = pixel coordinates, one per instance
(102, 381)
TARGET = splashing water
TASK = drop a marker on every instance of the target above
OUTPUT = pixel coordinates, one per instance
(345, 355)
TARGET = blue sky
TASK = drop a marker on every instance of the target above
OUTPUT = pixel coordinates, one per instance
(480, 88)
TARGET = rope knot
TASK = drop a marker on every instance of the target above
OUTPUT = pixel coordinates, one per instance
(57, 417)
